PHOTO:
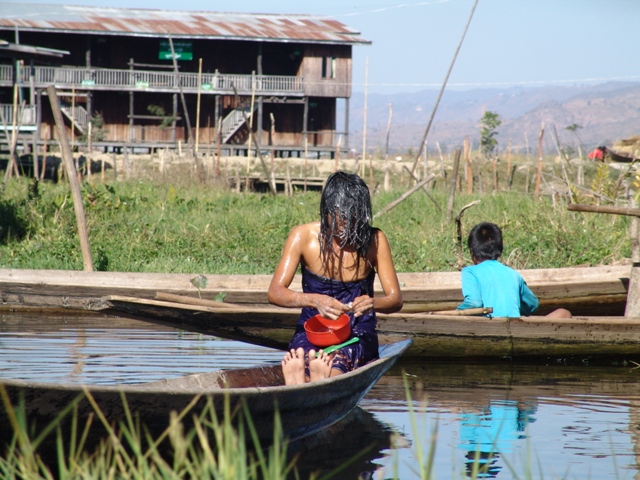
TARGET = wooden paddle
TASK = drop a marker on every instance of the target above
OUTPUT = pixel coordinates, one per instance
(468, 311)
(408, 308)
(187, 300)
(428, 309)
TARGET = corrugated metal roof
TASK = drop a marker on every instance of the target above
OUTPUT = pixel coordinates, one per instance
(179, 23)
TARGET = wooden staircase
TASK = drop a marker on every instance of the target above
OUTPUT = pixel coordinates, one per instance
(78, 116)
(234, 120)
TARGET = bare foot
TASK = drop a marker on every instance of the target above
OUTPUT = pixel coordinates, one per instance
(293, 367)
(319, 365)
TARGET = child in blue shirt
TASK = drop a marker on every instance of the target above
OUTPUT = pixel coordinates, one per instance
(489, 283)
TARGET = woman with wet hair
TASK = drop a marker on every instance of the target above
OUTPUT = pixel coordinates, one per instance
(339, 256)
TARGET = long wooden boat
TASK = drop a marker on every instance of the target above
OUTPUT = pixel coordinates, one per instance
(302, 409)
(583, 290)
(617, 156)
(435, 336)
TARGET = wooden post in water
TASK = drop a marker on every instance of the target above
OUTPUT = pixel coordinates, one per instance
(67, 158)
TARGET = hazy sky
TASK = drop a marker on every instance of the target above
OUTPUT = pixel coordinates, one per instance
(509, 42)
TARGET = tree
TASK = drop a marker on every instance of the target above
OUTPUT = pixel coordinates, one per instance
(488, 124)
(573, 128)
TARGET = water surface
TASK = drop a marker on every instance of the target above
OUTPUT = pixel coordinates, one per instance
(544, 421)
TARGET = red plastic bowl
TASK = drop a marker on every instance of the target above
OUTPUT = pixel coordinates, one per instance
(324, 332)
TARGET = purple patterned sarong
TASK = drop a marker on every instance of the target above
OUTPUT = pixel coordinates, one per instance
(364, 327)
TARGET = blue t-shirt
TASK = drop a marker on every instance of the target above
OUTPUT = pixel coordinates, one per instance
(492, 284)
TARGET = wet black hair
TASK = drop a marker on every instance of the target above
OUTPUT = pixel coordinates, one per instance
(485, 241)
(345, 199)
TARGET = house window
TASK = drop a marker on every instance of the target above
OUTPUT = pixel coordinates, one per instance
(329, 67)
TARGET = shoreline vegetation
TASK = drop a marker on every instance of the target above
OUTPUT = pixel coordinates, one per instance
(150, 215)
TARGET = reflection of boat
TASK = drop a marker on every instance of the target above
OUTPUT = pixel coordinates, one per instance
(583, 290)
(358, 436)
(474, 385)
(434, 336)
(303, 409)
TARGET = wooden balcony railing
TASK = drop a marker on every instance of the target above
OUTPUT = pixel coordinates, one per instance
(143, 80)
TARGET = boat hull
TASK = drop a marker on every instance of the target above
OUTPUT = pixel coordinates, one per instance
(443, 337)
(302, 409)
(583, 290)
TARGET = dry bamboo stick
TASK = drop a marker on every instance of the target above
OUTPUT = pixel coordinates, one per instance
(405, 195)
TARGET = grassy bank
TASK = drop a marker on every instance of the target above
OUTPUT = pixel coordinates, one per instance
(162, 224)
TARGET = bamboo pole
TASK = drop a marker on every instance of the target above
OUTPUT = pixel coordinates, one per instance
(198, 104)
(467, 156)
(405, 195)
(386, 150)
(509, 165)
(13, 162)
(424, 189)
(444, 84)
(182, 99)
(576, 207)
(539, 173)
(250, 125)
(73, 179)
(364, 125)
(452, 187)
(272, 185)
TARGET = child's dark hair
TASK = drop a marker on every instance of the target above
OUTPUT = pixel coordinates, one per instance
(485, 241)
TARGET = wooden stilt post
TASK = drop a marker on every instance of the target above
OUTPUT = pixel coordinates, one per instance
(633, 294)
(67, 158)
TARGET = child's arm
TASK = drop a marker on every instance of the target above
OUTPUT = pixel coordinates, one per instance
(529, 302)
(470, 291)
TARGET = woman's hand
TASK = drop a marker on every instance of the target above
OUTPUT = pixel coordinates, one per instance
(329, 307)
(362, 305)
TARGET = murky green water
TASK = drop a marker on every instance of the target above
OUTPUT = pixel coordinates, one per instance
(524, 421)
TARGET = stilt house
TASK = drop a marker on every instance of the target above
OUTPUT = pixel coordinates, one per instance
(148, 79)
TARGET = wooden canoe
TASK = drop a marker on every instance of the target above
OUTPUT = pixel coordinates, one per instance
(444, 337)
(621, 157)
(583, 290)
(303, 409)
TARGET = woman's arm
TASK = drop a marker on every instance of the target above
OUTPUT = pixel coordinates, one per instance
(279, 292)
(383, 262)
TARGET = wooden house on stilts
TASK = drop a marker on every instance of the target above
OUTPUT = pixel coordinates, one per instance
(147, 79)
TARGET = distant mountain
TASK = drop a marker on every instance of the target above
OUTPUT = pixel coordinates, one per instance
(604, 113)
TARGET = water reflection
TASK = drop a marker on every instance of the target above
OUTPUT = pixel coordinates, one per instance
(106, 351)
(360, 437)
(520, 421)
(487, 434)
(541, 421)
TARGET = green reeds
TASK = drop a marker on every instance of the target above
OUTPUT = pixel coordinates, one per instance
(214, 447)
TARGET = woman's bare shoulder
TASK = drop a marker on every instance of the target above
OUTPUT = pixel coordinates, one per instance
(312, 228)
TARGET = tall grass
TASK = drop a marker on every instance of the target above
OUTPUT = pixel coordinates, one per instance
(215, 446)
(152, 226)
